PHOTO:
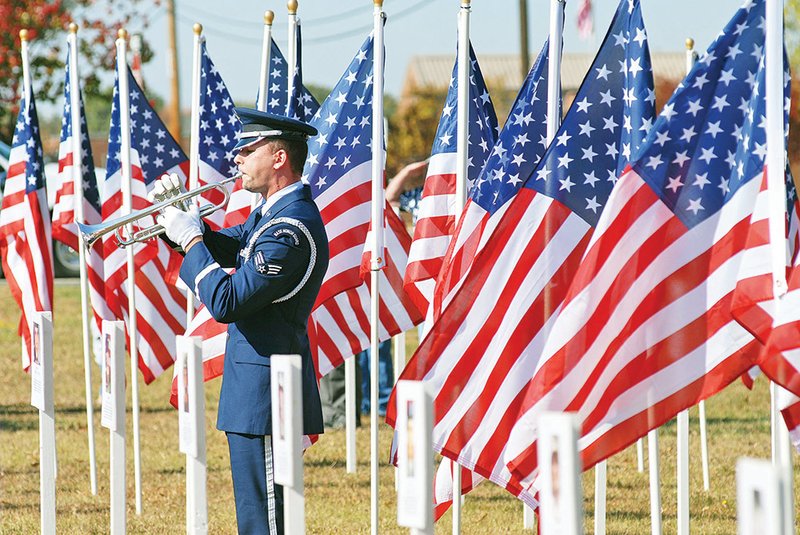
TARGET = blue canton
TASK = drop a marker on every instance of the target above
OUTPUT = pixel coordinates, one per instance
(344, 123)
(520, 144)
(710, 138)
(90, 192)
(278, 85)
(27, 133)
(219, 126)
(609, 119)
(158, 151)
(302, 105)
(483, 127)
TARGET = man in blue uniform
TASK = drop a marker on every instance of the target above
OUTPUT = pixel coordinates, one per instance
(280, 254)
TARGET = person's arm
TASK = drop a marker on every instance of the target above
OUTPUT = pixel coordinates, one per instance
(399, 183)
(276, 266)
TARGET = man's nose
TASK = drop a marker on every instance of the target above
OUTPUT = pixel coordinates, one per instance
(238, 159)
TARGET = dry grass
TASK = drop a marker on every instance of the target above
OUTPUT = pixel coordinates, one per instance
(335, 501)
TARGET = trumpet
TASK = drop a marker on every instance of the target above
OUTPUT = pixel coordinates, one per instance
(91, 233)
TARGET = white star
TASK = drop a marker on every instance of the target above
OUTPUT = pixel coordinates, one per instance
(592, 204)
(603, 72)
(606, 98)
(583, 105)
(662, 137)
(654, 161)
(713, 129)
(610, 124)
(708, 155)
(723, 185)
(342, 98)
(760, 150)
(694, 107)
(641, 37)
(563, 138)
(588, 154)
(700, 81)
(695, 206)
(331, 162)
(701, 180)
(634, 67)
(668, 111)
(518, 159)
(688, 134)
(542, 174)
(591, 178)
(726, 77)
(586, 128)
(445, 139)
(564, 161)
(611, 150)
(675, 183)
(620, 38)
(720, 103)
(514, 179)
(681, 158)
(566, 184)
(447, 110)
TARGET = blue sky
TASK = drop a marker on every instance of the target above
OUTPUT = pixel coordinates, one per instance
(414, 27)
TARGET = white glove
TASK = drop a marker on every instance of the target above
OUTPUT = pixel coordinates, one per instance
(181, 227)
(169, 185)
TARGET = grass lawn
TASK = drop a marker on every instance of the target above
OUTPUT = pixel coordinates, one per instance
(336, 502)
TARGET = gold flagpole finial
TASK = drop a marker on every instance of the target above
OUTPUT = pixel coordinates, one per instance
(122, 34)
(73, 28)
(689, 43)
(465, 3)
(291, 5)
(269, 16)
(378, 3)
(23, 35)
(197, 28)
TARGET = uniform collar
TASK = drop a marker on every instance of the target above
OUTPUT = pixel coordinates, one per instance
(278, 195)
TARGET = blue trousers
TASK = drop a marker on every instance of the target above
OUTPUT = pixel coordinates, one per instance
(259, 501)
(385, 377)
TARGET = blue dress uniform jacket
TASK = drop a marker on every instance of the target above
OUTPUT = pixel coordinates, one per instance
(280, 260)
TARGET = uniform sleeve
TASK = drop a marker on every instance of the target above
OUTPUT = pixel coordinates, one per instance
(223, 245)
(276, 265)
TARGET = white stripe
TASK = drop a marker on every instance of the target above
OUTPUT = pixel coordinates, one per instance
(200, 276)
(271, 509)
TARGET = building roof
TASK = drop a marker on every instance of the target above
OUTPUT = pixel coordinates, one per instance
(501, 71)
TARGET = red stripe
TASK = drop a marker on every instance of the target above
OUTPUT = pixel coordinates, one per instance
(439, 184)
(358, 194)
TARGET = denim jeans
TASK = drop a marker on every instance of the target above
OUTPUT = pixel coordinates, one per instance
(385, 377)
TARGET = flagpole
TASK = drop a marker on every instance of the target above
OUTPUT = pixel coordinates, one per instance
(377, 260)
(266, 51)
(462, 155)
(655, 482)
(776, 188)
(554, 68)
(291, 49)
(194, 139)
(263, 80)
(776, 165)
(127, 203)
(77, 180)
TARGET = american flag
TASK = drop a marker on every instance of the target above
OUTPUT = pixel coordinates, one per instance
(585, 22)
(160, 305)
(519, 147)
(219, 130)
(64, 228)
(484, 348)
(339, 171)
(437, 209)
(25, 244)
(646, 328)
(301, 104)
(241, 200)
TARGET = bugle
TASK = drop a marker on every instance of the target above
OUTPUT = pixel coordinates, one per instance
(92, 233)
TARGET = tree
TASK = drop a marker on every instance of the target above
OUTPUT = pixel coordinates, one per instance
(47, 22)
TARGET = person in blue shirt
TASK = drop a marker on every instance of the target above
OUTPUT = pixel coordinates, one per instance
(280, 255)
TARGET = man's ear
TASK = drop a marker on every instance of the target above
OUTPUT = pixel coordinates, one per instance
(281, 159)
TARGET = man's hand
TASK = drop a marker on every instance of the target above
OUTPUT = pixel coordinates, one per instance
(166, 187)
(181, 227)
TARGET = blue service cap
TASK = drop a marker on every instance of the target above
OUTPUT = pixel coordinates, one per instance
(257, 125)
